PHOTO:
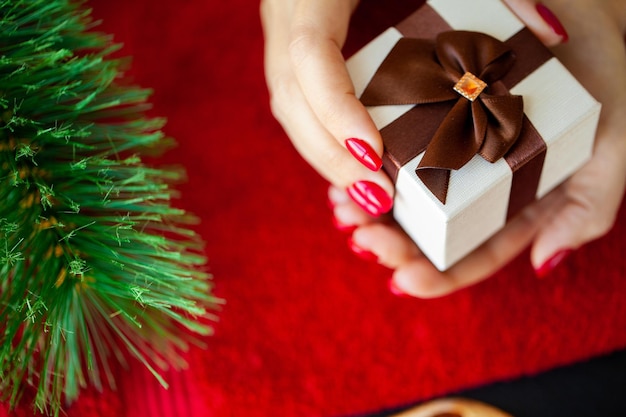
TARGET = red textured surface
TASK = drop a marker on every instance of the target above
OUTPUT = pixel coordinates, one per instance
(308, 329)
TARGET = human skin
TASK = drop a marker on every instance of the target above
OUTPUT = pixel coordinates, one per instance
(312, 97)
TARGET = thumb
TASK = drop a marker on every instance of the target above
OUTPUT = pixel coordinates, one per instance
(540, 20)
(557, 239)
(585, 207)
(572, 227)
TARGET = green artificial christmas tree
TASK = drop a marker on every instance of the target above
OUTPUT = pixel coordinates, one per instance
(95, 262)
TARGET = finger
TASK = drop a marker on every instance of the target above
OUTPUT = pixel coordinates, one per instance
(373, 190)
(317, 146)
(563, 235)
(421, 279)
(392, 247)
(318, 32)
(593, 195)
(540, 19)
(351, 215)
(595, 192)
(291, 108)
(348, 217)
(337, 196)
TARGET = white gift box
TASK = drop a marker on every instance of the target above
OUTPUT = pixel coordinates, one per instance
(480, 194)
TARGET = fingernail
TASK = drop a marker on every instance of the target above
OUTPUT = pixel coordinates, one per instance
(395, 290)
(552, 263)
(364, 153)
(371, 197)
(344, 228)
(360, 252)
(552, 21)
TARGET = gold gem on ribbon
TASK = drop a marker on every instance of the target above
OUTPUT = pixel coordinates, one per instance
(470, 86)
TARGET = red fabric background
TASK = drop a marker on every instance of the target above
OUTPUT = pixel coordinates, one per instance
(309, 329)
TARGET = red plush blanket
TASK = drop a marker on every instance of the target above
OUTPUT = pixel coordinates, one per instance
(309, 329)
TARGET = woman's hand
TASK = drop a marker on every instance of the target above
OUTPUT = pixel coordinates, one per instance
(582, 209)
(313, 98)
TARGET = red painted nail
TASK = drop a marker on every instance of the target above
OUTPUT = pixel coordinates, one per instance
(364, 153)
(395, 290)
(344, 228)
(552, 263)
(360, 252)
(552, 21)
(371, 197)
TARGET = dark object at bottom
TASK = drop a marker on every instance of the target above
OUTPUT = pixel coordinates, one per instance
(588, 389)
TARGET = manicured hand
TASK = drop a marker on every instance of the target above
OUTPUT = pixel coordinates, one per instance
(313, 98)
(581, 210)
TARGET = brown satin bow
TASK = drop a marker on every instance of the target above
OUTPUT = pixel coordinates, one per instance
(420, 71)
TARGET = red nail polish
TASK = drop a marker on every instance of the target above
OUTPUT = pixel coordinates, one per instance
(395, 290)
(552, 263)
(364, 153)
(360, 252)
(344, 228)
(371, 197)
(552, 21)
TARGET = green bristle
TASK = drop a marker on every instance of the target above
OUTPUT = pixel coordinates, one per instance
(94, 260)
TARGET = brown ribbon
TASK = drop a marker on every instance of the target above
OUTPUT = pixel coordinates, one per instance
(423, 72)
